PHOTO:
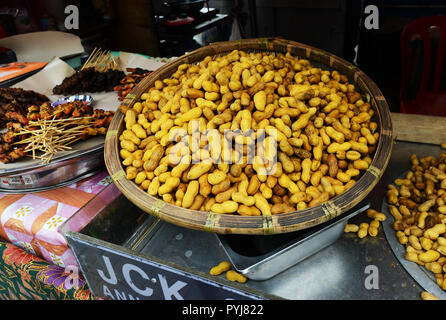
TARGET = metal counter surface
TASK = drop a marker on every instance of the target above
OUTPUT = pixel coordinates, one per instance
(349, 269)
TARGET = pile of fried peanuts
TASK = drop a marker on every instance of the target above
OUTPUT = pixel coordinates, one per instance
(323, 128)
(231, 275)
(364, 228)
(418, 206)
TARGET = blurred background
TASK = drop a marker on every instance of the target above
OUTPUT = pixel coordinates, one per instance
(169, 28)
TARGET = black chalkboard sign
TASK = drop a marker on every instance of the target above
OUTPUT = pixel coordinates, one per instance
(116, 273)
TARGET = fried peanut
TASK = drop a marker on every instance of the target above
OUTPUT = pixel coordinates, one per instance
(429, 256)
(262, 204)
(373, 228)
(234, 276)
(248, 211)
(371, 213)
(363, 230)
(428, 296)
(225, 207)
(349, 227)
(191, 193)
(220, 268)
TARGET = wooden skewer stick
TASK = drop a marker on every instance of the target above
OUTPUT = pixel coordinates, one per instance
(92, 54)
(91, 58)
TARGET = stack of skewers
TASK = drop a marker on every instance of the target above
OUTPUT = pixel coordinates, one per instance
(99, 73)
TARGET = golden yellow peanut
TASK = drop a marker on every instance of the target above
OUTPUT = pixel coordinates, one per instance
(441, 282)
(434, 267)
(170, 185)
(349, 227)
(413, 256)
(343, 177)
(139, 131)
(360, 147)
(286, 182)
(422, 219)
(323, 197)
(225, 207)
(395, 212)
(434, 232)
(179, 169)
(198, 202)
(373, 214)
(428, 296)
(337, 147)
(441, 249)
(125, 154)
(353, 155)
(155, 157)
(128, 145)
(303, 119)
(191, 193)
(154, 186)
(131, 136)
(216, 177)
(266, 191)
(130, 118)
(262, 204)
(260, 100)
(140, 177)
(221, 187)
(243, 199)
(234, 276)
(402, 238)
(335, 135)
(373, 228)
(362, 117)
(199, 169)
(131, 172)
(429, 256)
(425, 206)
(441, 241)
(220, 268)
(225, 195)
(361, 164)
(414, 242)
(282, 208)
(363, 230)
(248, 211)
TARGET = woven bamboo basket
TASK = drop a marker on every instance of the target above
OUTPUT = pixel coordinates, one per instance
(258, 225)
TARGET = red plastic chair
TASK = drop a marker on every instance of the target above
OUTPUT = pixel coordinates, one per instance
(424, 93)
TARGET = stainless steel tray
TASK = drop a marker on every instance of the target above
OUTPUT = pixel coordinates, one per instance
(59, 172)
(263, 257)
(420, 274)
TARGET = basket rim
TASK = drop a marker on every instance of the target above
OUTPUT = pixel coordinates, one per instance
(261, 225)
